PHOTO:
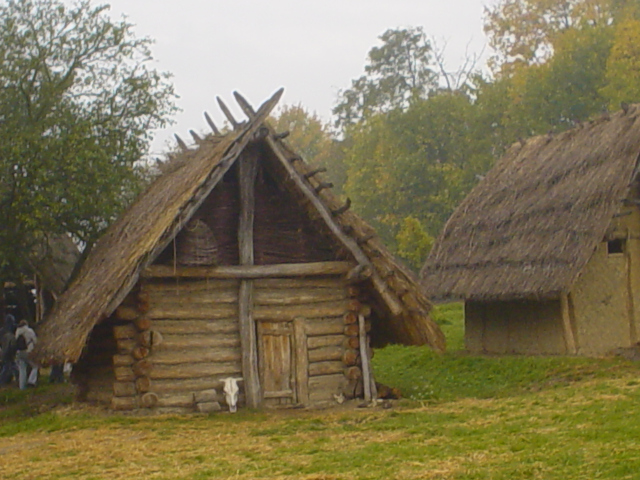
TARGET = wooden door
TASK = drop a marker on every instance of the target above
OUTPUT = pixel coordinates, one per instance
(283, 363)
(276, 362)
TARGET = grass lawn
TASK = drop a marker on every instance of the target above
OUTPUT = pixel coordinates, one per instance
(464, 417)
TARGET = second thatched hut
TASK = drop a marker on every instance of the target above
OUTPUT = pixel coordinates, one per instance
(545, 251)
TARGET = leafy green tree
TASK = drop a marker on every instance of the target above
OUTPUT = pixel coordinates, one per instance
(419, 163)
(526, 31)
(397, 72)
(414, 243)
(78, 105)
(623, 64)
(311, 137)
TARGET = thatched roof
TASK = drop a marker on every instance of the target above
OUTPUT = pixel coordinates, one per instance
(134, 241)
(529, 227)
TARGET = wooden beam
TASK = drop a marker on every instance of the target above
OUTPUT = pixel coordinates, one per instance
(247, 171)
(569, 337)
(181, 144)
(302, 361)
(212, 125)
(364, 358)
(196, 137)
(250, 271)
(244, 105)
(227, 113)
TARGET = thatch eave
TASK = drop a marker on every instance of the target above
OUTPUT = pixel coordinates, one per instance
(528, 229)
(133, 242)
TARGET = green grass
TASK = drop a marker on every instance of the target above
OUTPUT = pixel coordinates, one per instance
(424, 375)
(464, 417)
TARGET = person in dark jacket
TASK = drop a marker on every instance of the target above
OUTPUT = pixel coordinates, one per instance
(8, 345)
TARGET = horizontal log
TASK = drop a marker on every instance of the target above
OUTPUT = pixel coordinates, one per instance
(145, 339)
(124, 331)
(351, 357)
(325, 341)
(124, 312)
(140, 352)
(290, 313)
(208, 407)
(205, 396)
(294, 283)
(325, 368)
(187, 286)
(298, 296)
(353, 342)
(249, 271)
(124, 374)
(326, 354)
(143, 384)
(193, 327)
(149, 400)
(124, 389)
(124, 403)
(323, 388)
(352, 330)
(190, 384)
(325, 326)
(122, 360)
(197, 341)
(351, 318)
(175, 311)
(354, 305)
(200, 297)
(196, 355)
(353, 373)
(142, 368)
(188, 370)
(143, 323)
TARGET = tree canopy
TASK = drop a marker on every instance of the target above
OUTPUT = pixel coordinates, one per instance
(78, 105)
(410, 161)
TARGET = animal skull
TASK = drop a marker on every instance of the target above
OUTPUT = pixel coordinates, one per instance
(231, 390)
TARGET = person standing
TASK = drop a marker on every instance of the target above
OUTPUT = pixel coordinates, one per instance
(25, 342)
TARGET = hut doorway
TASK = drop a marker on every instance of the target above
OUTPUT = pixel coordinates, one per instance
(283, 362)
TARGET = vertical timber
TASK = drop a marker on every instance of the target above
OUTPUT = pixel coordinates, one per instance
(247, 170)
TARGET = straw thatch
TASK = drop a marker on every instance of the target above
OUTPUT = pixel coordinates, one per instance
(528, 229)
(136, 239)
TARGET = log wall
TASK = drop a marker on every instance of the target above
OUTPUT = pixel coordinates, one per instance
(176, 339)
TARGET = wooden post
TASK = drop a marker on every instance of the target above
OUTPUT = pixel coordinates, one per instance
(302, 361)
(364, 355)
(247, 170)
(569, 337)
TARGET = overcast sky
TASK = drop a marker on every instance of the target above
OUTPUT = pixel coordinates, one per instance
(311, 48)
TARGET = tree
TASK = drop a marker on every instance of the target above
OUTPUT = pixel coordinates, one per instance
(78, 105)
(623, 64)
(311, 137)
(407, 171)
(526, 31)
(397, 72)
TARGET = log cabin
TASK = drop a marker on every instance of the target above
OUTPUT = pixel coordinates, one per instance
(545, 250)
(237, 263)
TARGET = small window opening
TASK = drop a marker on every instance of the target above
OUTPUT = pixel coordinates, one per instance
(615, 246)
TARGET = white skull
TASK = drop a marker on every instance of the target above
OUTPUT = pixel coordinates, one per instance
(231, 390)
